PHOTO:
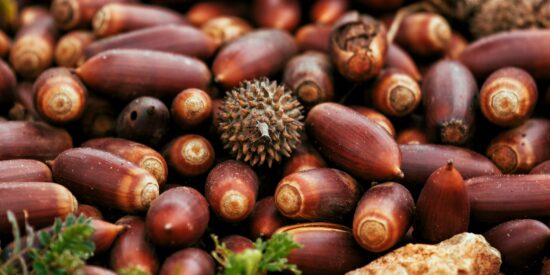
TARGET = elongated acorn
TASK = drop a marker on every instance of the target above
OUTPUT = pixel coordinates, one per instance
(23, 108)
(265, 219)
(145, 120)
(190, 260)
(70, 48)
(72, 14)
(377, 117)
(202, 12)
(412, 135)
(24, 170)
(305, 157)
(190, 155)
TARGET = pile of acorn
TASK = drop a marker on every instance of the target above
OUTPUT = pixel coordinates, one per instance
(355, 126)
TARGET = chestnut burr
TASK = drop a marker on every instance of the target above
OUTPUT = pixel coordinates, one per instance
(32, 140)
(449, 96)
(39, 203)
(542, 168)
(304, 157)
(105, 234)
(455, 47)
(265, 219)
(343, 135)
(506, 197)
(399, 59)
(278, 14)
(145, 119)
(321, 194)
(237, 243)
(190, 108)
(190, 260)
(177, 218)
(70, 48)
(326, 12)
(508, 96)
(231, 189)
(116, 182)
(126, 74)
(247, 57)
(424, 33)
(24, 170)
(519, 241)
(313, 37)
(377, 117)
(8, 83)
(137, 153)
(59, 96)
(88, 211)
(73, 14)
(202, 12)
(225, 29)
(5, 44)
(358, 45)
(99, 118)
(395, 93)
(190, 155)
(442, 209)
(132, 249)
(518, 150)
(383, 216)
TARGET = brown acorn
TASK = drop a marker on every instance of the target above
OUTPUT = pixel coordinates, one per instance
(412, 135)
(29, 14)
(145, 119)
(305, 157)
(237, 243)
(73, 14)
(508, 96)
(132, 249)
(518, 150)
(449, 95)
(137, 153)
(424, 33)
(520, 242)
(24, 170)
(442, 209)
(190, 155)
(202, 12)
(327, 248)
(278, 14)
(313, 37)
(224, 29)
(326, 12)
(343, 135)
(395, 93)
(99, 118)
(70, 48)
(506, 197)
(265, 219)
(232, 65)
(5, 44)
(377, 117)
(96, 270)
(358, 45)
(231, 189)
(32, 140)
(116, 182)
(456, 46)
(469, 163)
(59, 96)
(399, 59)
(190, 108)
(190, 261)
(542, 168)
(321, 194)
(39, 203)
(126, 74)
(105, 234)
(309, 77)
(383, 216)
(8, 83)
(178, 218)
(89, 211)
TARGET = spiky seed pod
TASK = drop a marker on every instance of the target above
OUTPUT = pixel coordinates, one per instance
(260, 121)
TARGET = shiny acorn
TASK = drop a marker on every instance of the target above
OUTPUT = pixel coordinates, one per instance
(105, 234)
(89, 211)
(237, 243)
(190, 155)
(202, 12)
(412, 135)
(190, 108)
(377, 117)
(394, 93)
(265, 219)
(278, 14)
(399, 59)
(70, 48)
(313, 37)
(224, 29)
(326, 12)
(24, 170)
(145, 120)
(190, 261)
(304, 157)
(73, 14)
(424, 33)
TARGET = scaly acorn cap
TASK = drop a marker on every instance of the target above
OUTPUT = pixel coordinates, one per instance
(260, 121)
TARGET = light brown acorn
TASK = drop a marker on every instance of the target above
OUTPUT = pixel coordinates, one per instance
(89, 211)
(326, 12)
(59, 96)
(231, 189)
(399, 59)
(8, 83)
(424, 33)
(508, 96)
(73, 14)
(190, 260)
(442, 209)
(39, 203)
(304, 157)
(116, 182)
(278, 14)
(518, 150)
(70, 48)
(542, 168)
(137, 153)
(190, 108)
(313, 37)
(377, 117)
(190, 155)
(343, 135)
(105, 234)
(265, 219)
(394, 93)
(224, 29)
(202, 12)
(5, 44)
(383, 216)
(24, 170)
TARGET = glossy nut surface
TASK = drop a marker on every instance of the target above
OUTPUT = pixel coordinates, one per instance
(265, 219)
(190, 260)
(132, 249)
(145, 119)
(304, 157)
(24, 170)
(395, 93)
(191, 107)
(424, 33)
(190, 155)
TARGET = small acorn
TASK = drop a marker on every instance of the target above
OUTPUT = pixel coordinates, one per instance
(399, 59)
(424, 33)
(70, 48)
(201, 12)
(145, 119)
(190, 155)
(395, 93)
(278, 14)
(542, 168)
(326, 12)
(88, 211)
(190, 261)
(190, 108)
(237, 243)
(73, 14)
(377, 117)
(305, 157)
(105, 234)
(313, 37)
(224, 29)
(24, 170)
(265, 219)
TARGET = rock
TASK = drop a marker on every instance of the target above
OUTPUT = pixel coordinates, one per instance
(465, 253)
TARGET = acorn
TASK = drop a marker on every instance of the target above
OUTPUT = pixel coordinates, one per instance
(73, 14)
(320, 243)
(424, 33)
(29, 14)
(506, 197)
(231, 189)
(237, 243)
(343, 136)
(399, 59)
(309, 77)
(260, 122)
(321, 194)
(145, 119)
(201, 12)
(518, 150)
(88, 211)
(5, 44)
(278, 14)
(508, 96)
(542, 168)
(313, 37)
(99, 118)
(455, 47)
(137, 153)
(232, 64)
(305, 157)
(224, 29)
(412, 135)
(8, 83)
(105, 234)
(24, 170)
(32, 140)
(449, 97)
(394, 93)
(23, 107)
(190, 155)
(116, 182)
(132, 249)
(377, 117)
(469, 163)
(442, 209)
(126, 74)
(178, 217)
(59, 96)
(37, 203)
(189, 261)
(70, 48)
(383, 216)
(265, 219)
(520, 242)
(326, 12)
(190, 108)
(358, 45)
(96, 270)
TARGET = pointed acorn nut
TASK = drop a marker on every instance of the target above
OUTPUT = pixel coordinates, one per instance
(443, 208)
(192, 260)
(105, 234)
(132, 249)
